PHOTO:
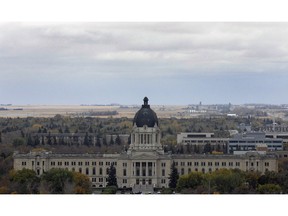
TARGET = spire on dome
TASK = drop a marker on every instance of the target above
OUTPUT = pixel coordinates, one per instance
(145, 105)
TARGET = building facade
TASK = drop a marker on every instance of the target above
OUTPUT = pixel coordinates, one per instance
(203, 142)
(250, 141)
(145, 165)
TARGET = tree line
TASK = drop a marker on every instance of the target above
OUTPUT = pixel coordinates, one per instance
(230, 181)
(54, 181)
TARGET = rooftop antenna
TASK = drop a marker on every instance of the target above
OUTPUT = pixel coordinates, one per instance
(273, 127)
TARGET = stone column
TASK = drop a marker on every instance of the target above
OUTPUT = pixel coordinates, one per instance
(147, 169)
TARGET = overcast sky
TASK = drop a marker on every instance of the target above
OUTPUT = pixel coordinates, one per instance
(170, 63)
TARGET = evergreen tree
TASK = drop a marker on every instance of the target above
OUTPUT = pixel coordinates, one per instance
(181, 150)
(67, 130)
(90, 141)
(54, 140)
(36, 141)
(111, 140)
(49, 142)
(207, 148)
(98, 142)
(61, 141)
(112, 180)
(104, 140)
(90, 130)
(174, 176)
(86, 139)
(188, 149)
(30, 141)
(22, 133)
(129, 140)
(118, 140)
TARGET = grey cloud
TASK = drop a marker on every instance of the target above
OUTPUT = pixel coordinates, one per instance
(91, 55)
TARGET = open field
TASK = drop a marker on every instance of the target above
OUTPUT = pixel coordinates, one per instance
(24, 111)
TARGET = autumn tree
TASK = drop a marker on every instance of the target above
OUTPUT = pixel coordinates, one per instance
(24, 181)
(190, 181)
(252, 178)
(82, 183)
(226, 180)
(269, 189)
(57, 181)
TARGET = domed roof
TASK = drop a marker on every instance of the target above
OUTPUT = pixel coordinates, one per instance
(145, 116)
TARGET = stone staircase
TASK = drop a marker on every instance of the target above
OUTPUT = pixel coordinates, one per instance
(144, 189)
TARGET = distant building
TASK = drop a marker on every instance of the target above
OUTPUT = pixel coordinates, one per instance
(203, 142)
(244, 128)
(250, 141)
(279, 135)
(274, 127)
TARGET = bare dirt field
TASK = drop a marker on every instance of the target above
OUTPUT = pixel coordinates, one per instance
(24, 111)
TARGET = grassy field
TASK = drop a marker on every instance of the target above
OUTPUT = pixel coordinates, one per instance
(24, 111)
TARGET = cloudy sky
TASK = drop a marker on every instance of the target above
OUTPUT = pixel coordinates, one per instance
(170, 63)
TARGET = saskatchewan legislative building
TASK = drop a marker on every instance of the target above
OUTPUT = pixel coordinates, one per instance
(145, 166)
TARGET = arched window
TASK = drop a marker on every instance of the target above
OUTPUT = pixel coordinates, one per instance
(100, 171)
(182, 171)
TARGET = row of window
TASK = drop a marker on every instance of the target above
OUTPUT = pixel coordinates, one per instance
(251, 141)
(99, 179)
(24, 163)
(87, 171)
(80, 163)
(144, 164)
(73, 163)
(257, 163)
(203, 163)
(230, 164)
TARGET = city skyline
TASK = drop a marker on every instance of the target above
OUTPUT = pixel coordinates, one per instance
(174, 63)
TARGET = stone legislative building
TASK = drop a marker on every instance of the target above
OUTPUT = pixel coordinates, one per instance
(145, 165)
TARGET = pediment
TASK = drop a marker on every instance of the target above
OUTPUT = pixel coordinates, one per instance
(144, 156)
